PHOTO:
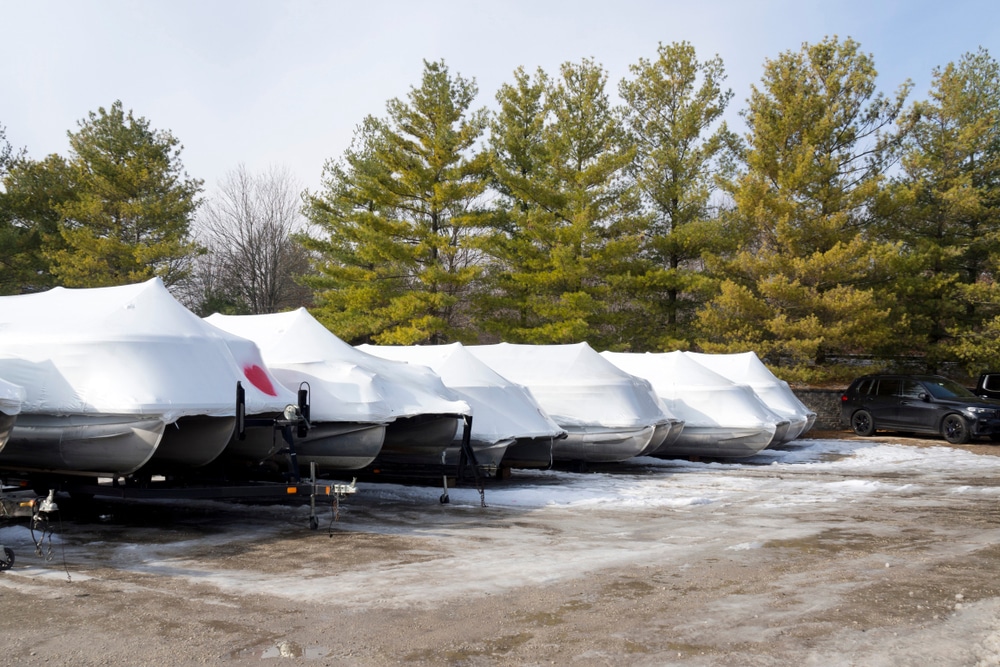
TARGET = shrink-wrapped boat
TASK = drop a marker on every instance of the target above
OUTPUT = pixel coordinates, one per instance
(722, 419)
(608, 414)
(11, 399)
(361, 406)
(121, 378)
(509, 428)
(747, 368)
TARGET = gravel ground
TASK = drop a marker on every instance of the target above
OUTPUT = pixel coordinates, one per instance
(900, 577)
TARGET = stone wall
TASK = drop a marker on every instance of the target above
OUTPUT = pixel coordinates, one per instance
(826, 404)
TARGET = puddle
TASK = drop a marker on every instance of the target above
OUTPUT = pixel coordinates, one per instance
(292, 650)
(499, 647)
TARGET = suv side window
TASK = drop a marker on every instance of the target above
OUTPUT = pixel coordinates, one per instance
(992, 382)
(865, 386)
(912, 389)
(888, 387)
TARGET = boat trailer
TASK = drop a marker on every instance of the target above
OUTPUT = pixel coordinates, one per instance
(17, 501)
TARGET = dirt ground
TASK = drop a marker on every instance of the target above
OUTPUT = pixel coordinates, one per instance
(902, 578)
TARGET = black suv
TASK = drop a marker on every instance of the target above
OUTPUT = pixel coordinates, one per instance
(919, 404)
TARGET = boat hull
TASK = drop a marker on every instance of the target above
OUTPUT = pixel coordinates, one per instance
(192, 442)
(6, 426)
(783, 433)
(330, 445)
(718, 442)
(339, 445)
(529, 453)
(665, 433)
(489, 455)
(82, 444)
(259, 443)
(796, 427)
(420, 440)
(602, 445)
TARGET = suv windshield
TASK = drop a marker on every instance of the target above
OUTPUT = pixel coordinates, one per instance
(943, 388)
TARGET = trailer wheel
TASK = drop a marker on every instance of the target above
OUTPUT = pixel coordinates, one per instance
(313, 523)
(444, 499)
(7, 560)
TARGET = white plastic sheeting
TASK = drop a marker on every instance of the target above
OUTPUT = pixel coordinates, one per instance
(127, 350)
(721, 418)
(574, 384)
(346, 384)
(501, 409)
(609, 415)
(747, 368)
(11, 397)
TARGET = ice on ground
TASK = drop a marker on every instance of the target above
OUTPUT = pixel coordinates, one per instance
(553, 526)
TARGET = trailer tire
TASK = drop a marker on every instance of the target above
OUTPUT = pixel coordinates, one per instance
(7, 561)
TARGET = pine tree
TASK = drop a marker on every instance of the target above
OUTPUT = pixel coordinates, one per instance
(7, 153)
(946, 212)
(803, 285)
(131, 208)
(396, 214)
(29, 221)
(672, 105)
(566, 229)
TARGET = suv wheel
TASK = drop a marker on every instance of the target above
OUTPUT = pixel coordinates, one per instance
(862, 422)
(954, 429)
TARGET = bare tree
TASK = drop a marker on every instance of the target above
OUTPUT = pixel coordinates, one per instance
(252, 259)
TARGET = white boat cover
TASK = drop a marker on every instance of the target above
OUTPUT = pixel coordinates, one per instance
(501, 409)
(345, 384)
(11, 397)
(747, 368)
(699, 396)
(575, 385)
(126, 350)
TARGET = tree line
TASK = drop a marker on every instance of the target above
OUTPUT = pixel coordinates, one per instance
(841, 222)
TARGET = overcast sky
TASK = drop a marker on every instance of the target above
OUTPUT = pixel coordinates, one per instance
(284, 84)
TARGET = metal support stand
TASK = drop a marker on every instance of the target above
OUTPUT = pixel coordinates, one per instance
(313, 521)
(293, 457)
(466, 459)
(444, 495)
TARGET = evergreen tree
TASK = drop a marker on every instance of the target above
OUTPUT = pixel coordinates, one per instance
(803, 285)
(566, 234)
(672, 104)
(7, 153)
(946, 212)
(117, 211)
(28, 220)
(395, 216)
(518, 157)
(133, 205)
